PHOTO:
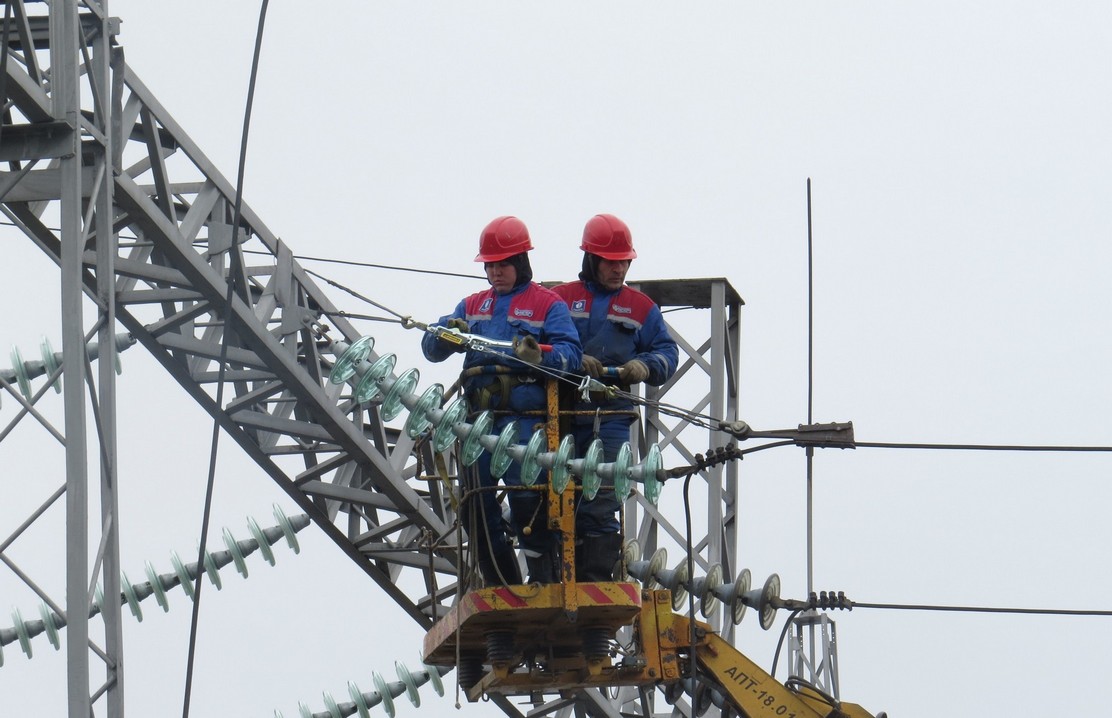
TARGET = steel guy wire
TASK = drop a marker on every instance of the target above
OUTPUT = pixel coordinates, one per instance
(371, 265)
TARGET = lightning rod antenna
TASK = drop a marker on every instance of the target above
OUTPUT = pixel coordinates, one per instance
(810, 392)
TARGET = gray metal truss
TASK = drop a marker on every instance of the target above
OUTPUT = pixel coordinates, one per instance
(124, 165)
(709, 367)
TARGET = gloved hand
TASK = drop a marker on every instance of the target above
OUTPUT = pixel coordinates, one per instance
(527, 349)
(591, 366)
(633, 371)
(459, 325)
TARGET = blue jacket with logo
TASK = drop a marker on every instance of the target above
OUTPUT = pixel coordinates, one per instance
(616, 326)
(527, 310)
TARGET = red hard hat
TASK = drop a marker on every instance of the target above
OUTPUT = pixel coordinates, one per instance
(608, 237)
(502, 238)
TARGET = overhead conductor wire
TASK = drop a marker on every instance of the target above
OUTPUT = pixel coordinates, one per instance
(369, 265)
(705, 421)
(714, 423)
(234, 269)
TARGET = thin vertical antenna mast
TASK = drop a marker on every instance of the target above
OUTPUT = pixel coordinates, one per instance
(810, 393)
(820, 670)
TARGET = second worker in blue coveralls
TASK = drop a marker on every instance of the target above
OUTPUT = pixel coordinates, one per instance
(512, 387)
(618, 327)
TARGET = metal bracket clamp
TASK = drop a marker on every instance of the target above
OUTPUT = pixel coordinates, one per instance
(833, 435)
(836, 435)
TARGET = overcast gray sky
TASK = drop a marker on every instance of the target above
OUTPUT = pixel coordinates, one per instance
(960, 157)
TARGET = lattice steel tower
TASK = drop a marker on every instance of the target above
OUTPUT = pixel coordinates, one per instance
(90, 153)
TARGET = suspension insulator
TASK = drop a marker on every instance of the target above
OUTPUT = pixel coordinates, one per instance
(418, 420)
(631, 551)
(560, 474)
(330, 704)
(410, 683)
(22, 632)
(384, 694)
(50, 623)
(184, 577)
(50, 362)
(361, 703)
(443, 436)
(157, 587)
(645, 570)
(392, 402)
(260, 539)
(472, 449)
(288, 529)
(621, 471)
(434, 678)
(350, 358)
(237, 552)
(131, 596)
(647, 474)
(500, 458)
(21, 376)
(588, 469)
(530, 464)
(708, 601)
(212, 571)
(368, 386)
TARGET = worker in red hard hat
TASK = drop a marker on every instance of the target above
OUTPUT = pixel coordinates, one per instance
(623, 329)
(516, 309)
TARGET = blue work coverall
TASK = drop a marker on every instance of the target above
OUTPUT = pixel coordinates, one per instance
(614, 327)
(505, 384)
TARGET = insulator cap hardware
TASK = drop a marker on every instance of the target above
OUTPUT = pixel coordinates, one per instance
(829, 600)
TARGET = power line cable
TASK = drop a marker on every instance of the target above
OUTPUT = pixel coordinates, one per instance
(371, 265)
(234, 269)
(706, 420)
(981, 447)
(710, 422)
(697, 419)
(984, 609)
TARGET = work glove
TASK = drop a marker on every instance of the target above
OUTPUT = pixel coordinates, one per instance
(633, 371)
(527, 349)
(459, 325)
(591, 366)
